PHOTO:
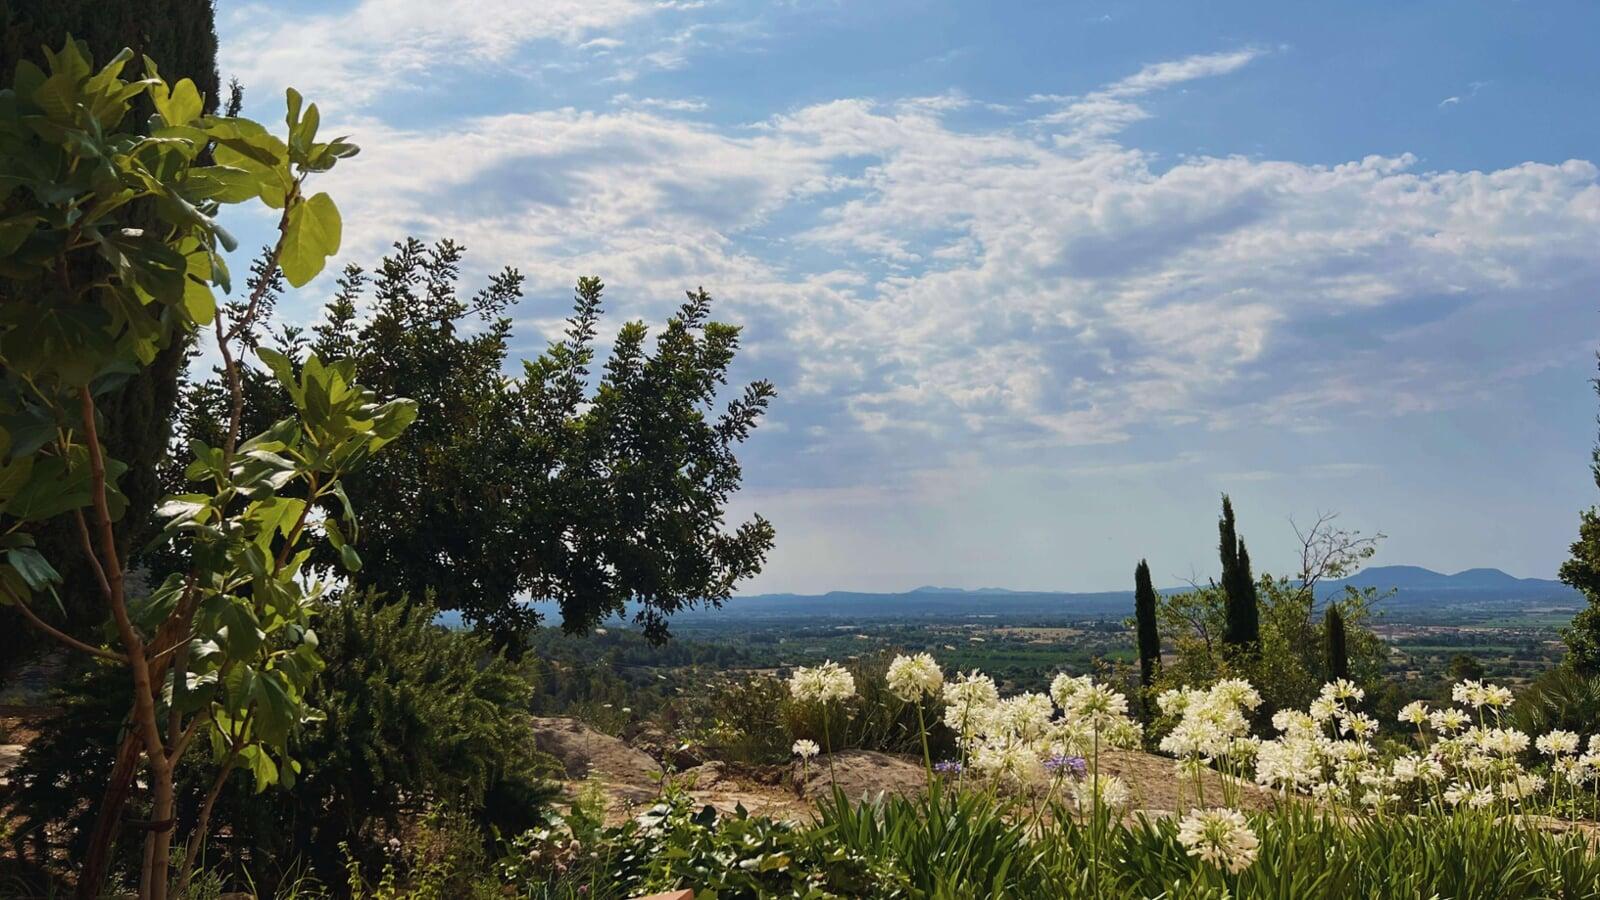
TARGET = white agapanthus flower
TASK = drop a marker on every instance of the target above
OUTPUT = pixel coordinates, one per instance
(1468, 692)
(1521, 786)
(1497, 696)
(1359, 725)
(1237, 692)
(911, 678)
(1465, 794)
(1292, 763)
(1574, 769)
(1557, 743)
(1025, 717)
(829, 682)
(1064, 687)
(1414, 713)
(1219, 837)
(1415, 767)
(1174, 701)
(965, 701)
(1097, 705)
(1008, 760)
(1112, 791)
(806, 749)
(1504, 741)
(1343, 689)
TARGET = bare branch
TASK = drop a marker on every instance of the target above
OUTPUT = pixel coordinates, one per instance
(62, 636)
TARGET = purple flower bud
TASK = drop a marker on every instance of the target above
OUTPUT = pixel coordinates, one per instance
(1075, 764)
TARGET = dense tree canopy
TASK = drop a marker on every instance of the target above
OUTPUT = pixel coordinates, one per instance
(588, 489)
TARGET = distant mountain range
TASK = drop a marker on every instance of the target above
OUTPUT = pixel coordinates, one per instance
(1418, 593)
(1381, 577)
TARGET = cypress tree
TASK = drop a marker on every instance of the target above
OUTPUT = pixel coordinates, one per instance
(180, 35)
(1144, 610)
(1242, 626)
(1337, 659)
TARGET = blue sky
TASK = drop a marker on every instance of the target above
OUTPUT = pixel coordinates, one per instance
(1036, 282)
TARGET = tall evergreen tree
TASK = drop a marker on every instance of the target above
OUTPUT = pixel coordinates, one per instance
(1336, 658)
(1144, 610)
(1242, 628)
(180, 35)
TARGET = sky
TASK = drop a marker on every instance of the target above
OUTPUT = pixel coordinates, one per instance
(1036, 282)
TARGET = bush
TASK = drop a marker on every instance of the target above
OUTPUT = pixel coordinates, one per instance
(676, 844)
(979, 846)
(416, 716)
(753, 719)
(1561, 698)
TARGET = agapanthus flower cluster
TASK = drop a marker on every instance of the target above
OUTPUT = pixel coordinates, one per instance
(1109, 790)
(1464, 758)
(1030, 738)
(913, 678)
(1219, 837)
(827, 683)
(1212, 723)
(966, 700)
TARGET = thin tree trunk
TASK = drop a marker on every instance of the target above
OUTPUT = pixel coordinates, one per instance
(108, 820)
(197, 838)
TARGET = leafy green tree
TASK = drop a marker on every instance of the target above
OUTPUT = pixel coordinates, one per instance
(1144, 610)
(221, 653)
(1289, 665)
(1335, 653)
(1465, 667)
(535, 486)
(180, 34)
(1582, 571)
(1242, 627)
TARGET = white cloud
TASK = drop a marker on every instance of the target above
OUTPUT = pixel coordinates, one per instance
(999, 290)
(1100, 114)
(678, 104)
(348, 56)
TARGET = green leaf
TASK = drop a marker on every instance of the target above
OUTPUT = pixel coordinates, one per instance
(15, 229)
(28, 429)
(13, 476)
(335, 536)
(350, 558)
(181, 105)
(260, 765)
(241, 635)
(391, 419)
(277, 709)
(310, 237)
(292, 118)
(198, 301)
(58, 97)
(224, 184)
(33, 567)
(275, 516)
